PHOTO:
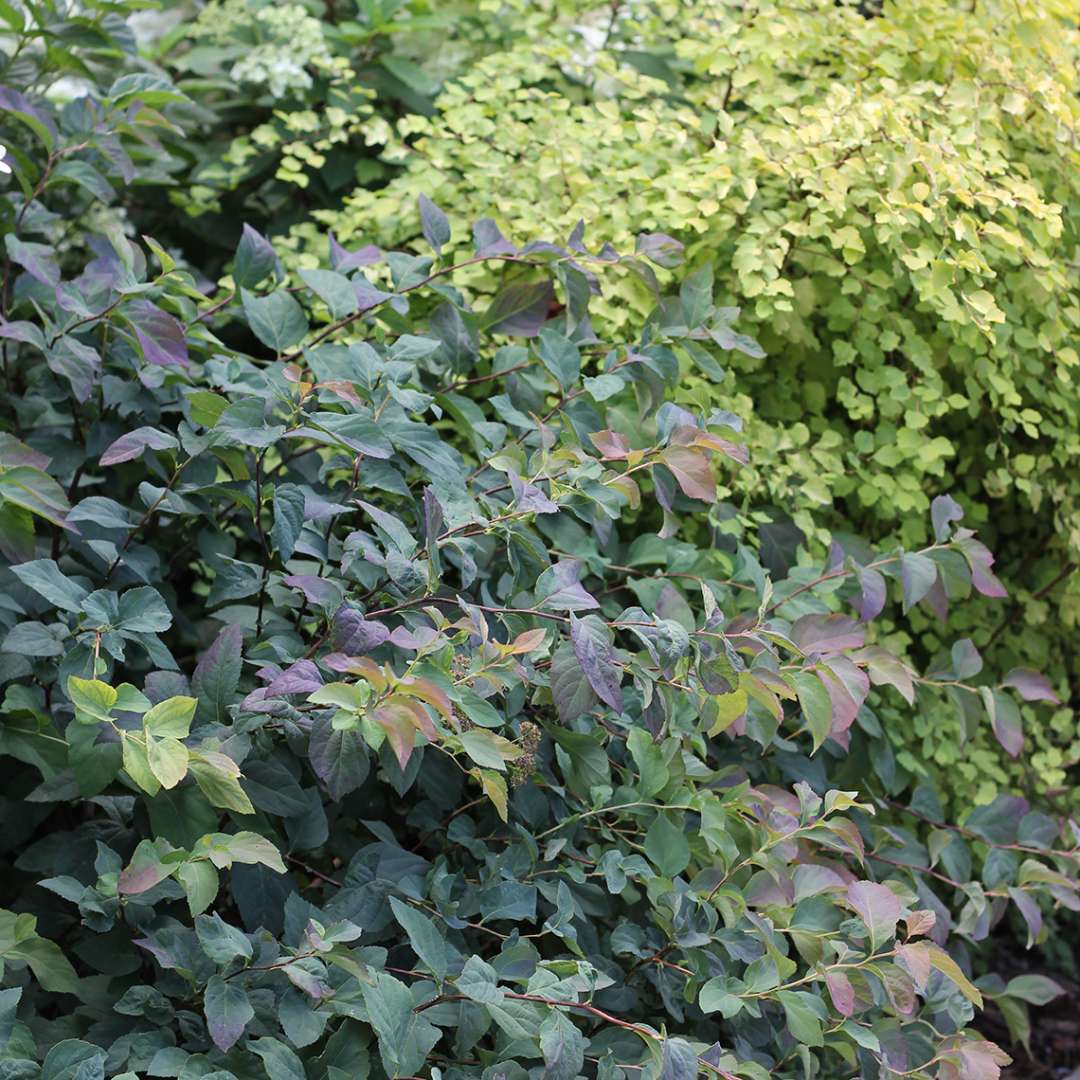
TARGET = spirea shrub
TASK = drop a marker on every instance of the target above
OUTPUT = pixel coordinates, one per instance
(389, 691)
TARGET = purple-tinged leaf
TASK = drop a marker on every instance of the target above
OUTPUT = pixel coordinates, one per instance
(878, 908)
(228, 1011)
(490, 241)
(980, 560)
(300, 678)
(317, 590)
(1005, 720)
(661, 249)
(937, 600)
(434, 224)
(872, 594)
(26, 332)
(692, 470)
(519, 310)
(530, 497)
(367, 296)
(1031, 685)
(592, 646)
(419, 637)
(160, 335)
(146, 868)
(944, 510)
(217, 675)
(822, 635)
(841, 992)
(1028, 907)
(559, 587)
(13, 452)
(570, 689)
(343, 260)
(131, 445)
(847, 689)
(78, 363)
(354, 635)
(39, 121)
(38, 260)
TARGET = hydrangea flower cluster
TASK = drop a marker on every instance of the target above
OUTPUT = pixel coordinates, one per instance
(287, 42)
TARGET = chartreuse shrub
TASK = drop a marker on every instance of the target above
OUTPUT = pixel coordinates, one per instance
(389, 693)
(891, 195)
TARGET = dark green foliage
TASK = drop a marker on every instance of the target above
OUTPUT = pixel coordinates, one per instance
(388, 691)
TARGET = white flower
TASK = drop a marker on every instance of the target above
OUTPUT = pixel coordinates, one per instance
(4, 166)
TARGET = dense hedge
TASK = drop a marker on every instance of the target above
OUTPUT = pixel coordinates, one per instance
(893, 202)
(410, 666)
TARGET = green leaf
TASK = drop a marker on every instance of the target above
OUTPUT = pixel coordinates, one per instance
(334, 289)
(562, 1045)
(91, 697)
(171, 717)
(488, 750)
(405, 1037)
(217, 776)
(45, 578)
(678, 1061)
(815, 703)
(277, 320)
(917, 575)
(50, 966)
(479, 981)
(351, 696)
(803, 1013)
(200, 883)
(73, 1059)
(224, 849)
(288, 519)
(696, 293)
(560, 356)
(255, 259)
(1034, 989)
(137, 765)
(168, 760)
(943, 962)
(649, 759)
(220, 941)
(143, 611)
(666, 846)
(427, 941)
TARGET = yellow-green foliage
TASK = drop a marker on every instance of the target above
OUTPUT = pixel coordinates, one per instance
(892, 197)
